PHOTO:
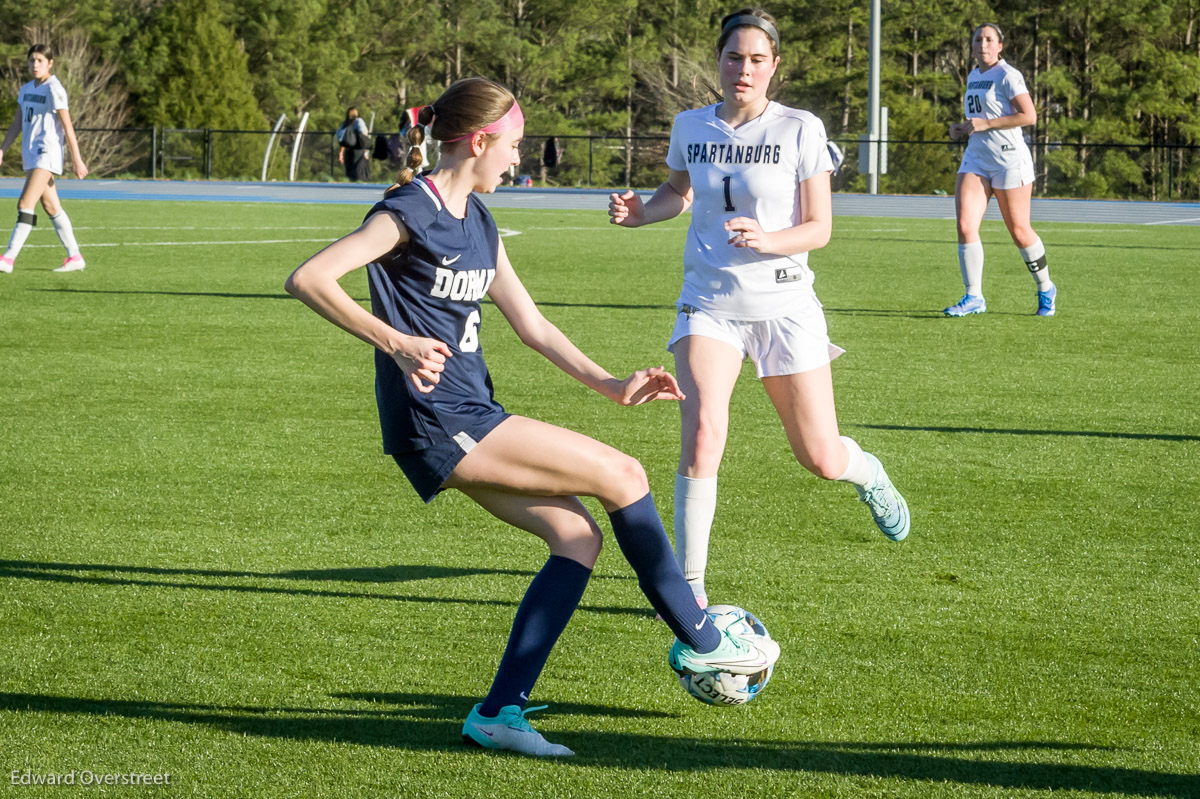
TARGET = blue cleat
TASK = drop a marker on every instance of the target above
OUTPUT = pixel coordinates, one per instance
(509, 730)
(967, 305)
(887, 506)
(1046, 301)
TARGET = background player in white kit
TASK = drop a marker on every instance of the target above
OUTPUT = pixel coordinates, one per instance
(997, 161)
(45, 126)
(759, 175)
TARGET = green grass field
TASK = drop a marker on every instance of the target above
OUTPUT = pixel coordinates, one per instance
(209, 568)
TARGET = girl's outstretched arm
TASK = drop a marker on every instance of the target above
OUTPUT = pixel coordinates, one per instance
(669, 201)
(540, 334)
(315, 283)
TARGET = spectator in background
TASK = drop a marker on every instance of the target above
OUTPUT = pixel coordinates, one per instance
(395, 151)
(551, 157)
(355, 142)
(379, 151)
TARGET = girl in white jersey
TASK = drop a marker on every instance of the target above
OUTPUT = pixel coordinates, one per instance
(997, 161)
(758, 175)
(45, 126)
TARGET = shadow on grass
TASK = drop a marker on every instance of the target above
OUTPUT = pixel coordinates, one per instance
(94, 574)
(894, 313)
(434, 723)
(897, 313)
(219, 294)
(284, 296)
(1063, 245)
(1020, 432)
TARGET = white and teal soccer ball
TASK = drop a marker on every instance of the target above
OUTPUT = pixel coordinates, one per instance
(720, 687)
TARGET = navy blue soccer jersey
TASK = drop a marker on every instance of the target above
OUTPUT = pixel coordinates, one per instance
(431, 287)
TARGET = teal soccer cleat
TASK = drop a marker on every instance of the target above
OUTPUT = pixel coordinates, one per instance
(969, 304)
(734, 654)
(509, 730)
(887, 506)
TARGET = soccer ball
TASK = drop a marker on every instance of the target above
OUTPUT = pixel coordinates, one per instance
(720, 687)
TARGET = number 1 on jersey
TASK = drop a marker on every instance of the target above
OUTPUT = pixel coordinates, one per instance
(728, 199)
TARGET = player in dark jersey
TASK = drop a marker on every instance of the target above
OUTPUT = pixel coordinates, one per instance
(434, 252)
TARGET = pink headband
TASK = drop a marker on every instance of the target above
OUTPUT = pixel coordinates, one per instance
(513, 118)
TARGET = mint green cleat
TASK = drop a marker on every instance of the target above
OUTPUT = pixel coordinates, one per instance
(509, 730)
(887, 506)
(734, 654)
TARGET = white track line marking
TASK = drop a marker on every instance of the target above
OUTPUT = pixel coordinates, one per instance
(1174, 221)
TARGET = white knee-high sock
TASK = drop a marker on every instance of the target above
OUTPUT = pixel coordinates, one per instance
(1035, 258)
(66, 234)
(970, 264)
(20, 232)
(695, 507)
(859, 471)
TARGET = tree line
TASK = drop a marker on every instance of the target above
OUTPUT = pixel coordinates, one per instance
(1116, 82)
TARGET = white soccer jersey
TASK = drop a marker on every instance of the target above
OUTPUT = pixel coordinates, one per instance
(42, 134)
(755, 171)
(989, 95)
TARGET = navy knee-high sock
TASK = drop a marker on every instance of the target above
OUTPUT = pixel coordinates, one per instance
(544, 612)
(643, 541)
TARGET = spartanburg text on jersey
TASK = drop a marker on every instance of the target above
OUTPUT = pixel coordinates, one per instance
(431, 287)
(42, 133)
(989, 95)
(755, 171)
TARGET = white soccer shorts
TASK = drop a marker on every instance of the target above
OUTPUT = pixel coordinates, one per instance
(1001, 177)
(786, 345)
(51, 160)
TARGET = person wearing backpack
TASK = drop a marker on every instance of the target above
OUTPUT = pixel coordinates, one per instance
(355, 143)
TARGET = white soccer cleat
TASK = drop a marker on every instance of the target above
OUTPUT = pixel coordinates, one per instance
(6, 264)
(735, 654)
(887, 505)
(72, 263)
(509, 730)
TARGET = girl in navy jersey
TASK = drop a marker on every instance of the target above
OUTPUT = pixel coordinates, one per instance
(433, 253)
(756, 177)
(45, 126)
(997, 161)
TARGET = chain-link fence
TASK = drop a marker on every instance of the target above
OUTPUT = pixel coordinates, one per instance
(1062, 169)
(1115, 171)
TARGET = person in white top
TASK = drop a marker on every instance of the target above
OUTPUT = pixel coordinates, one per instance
(756, 177)
(44, 123)
(997, 161)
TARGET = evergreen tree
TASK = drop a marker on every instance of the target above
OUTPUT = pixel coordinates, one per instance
(188, 71)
